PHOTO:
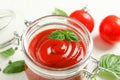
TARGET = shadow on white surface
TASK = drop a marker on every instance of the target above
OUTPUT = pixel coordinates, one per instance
(101, 44)
(18, 76)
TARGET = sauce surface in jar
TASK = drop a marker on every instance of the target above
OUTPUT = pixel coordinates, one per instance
(55, 53)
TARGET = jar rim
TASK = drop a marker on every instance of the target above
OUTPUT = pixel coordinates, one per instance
(8, 15)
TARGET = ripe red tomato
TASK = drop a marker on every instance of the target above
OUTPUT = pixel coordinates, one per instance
(110, 29)
(84, 17)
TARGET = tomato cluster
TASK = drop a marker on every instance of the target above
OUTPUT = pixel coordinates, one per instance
(109, 28)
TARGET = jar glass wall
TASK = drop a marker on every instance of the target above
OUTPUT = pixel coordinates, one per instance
(37, 71)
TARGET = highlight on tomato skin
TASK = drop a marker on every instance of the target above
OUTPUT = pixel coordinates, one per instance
(84, 17)
(109, 29)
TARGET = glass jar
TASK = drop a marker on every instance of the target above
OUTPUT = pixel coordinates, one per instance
(8, 30)
(79, 71)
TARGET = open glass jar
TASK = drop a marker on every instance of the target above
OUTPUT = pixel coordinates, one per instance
(8, 31)
(38, 71)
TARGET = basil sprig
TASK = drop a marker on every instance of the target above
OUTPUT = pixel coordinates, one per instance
(15, 67)
(111, 62)
(60, 12)
(58, 34)
(62, 35)
(71, 36)
(8, 52)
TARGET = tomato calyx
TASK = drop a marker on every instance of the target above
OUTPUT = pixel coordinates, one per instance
(85, 8)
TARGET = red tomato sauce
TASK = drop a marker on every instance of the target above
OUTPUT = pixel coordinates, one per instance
(55, 53)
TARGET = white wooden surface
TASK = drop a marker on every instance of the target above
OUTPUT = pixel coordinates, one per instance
(33, 9)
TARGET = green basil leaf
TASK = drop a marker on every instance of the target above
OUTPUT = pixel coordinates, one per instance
(66, 34)
(58, 34)
(105, 75)
(8, 52)
(15, 67)
(111, 62)
(71, 36)
(60, 12)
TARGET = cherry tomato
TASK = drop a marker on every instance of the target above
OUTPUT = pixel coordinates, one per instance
(110, 29)
(84, 17)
